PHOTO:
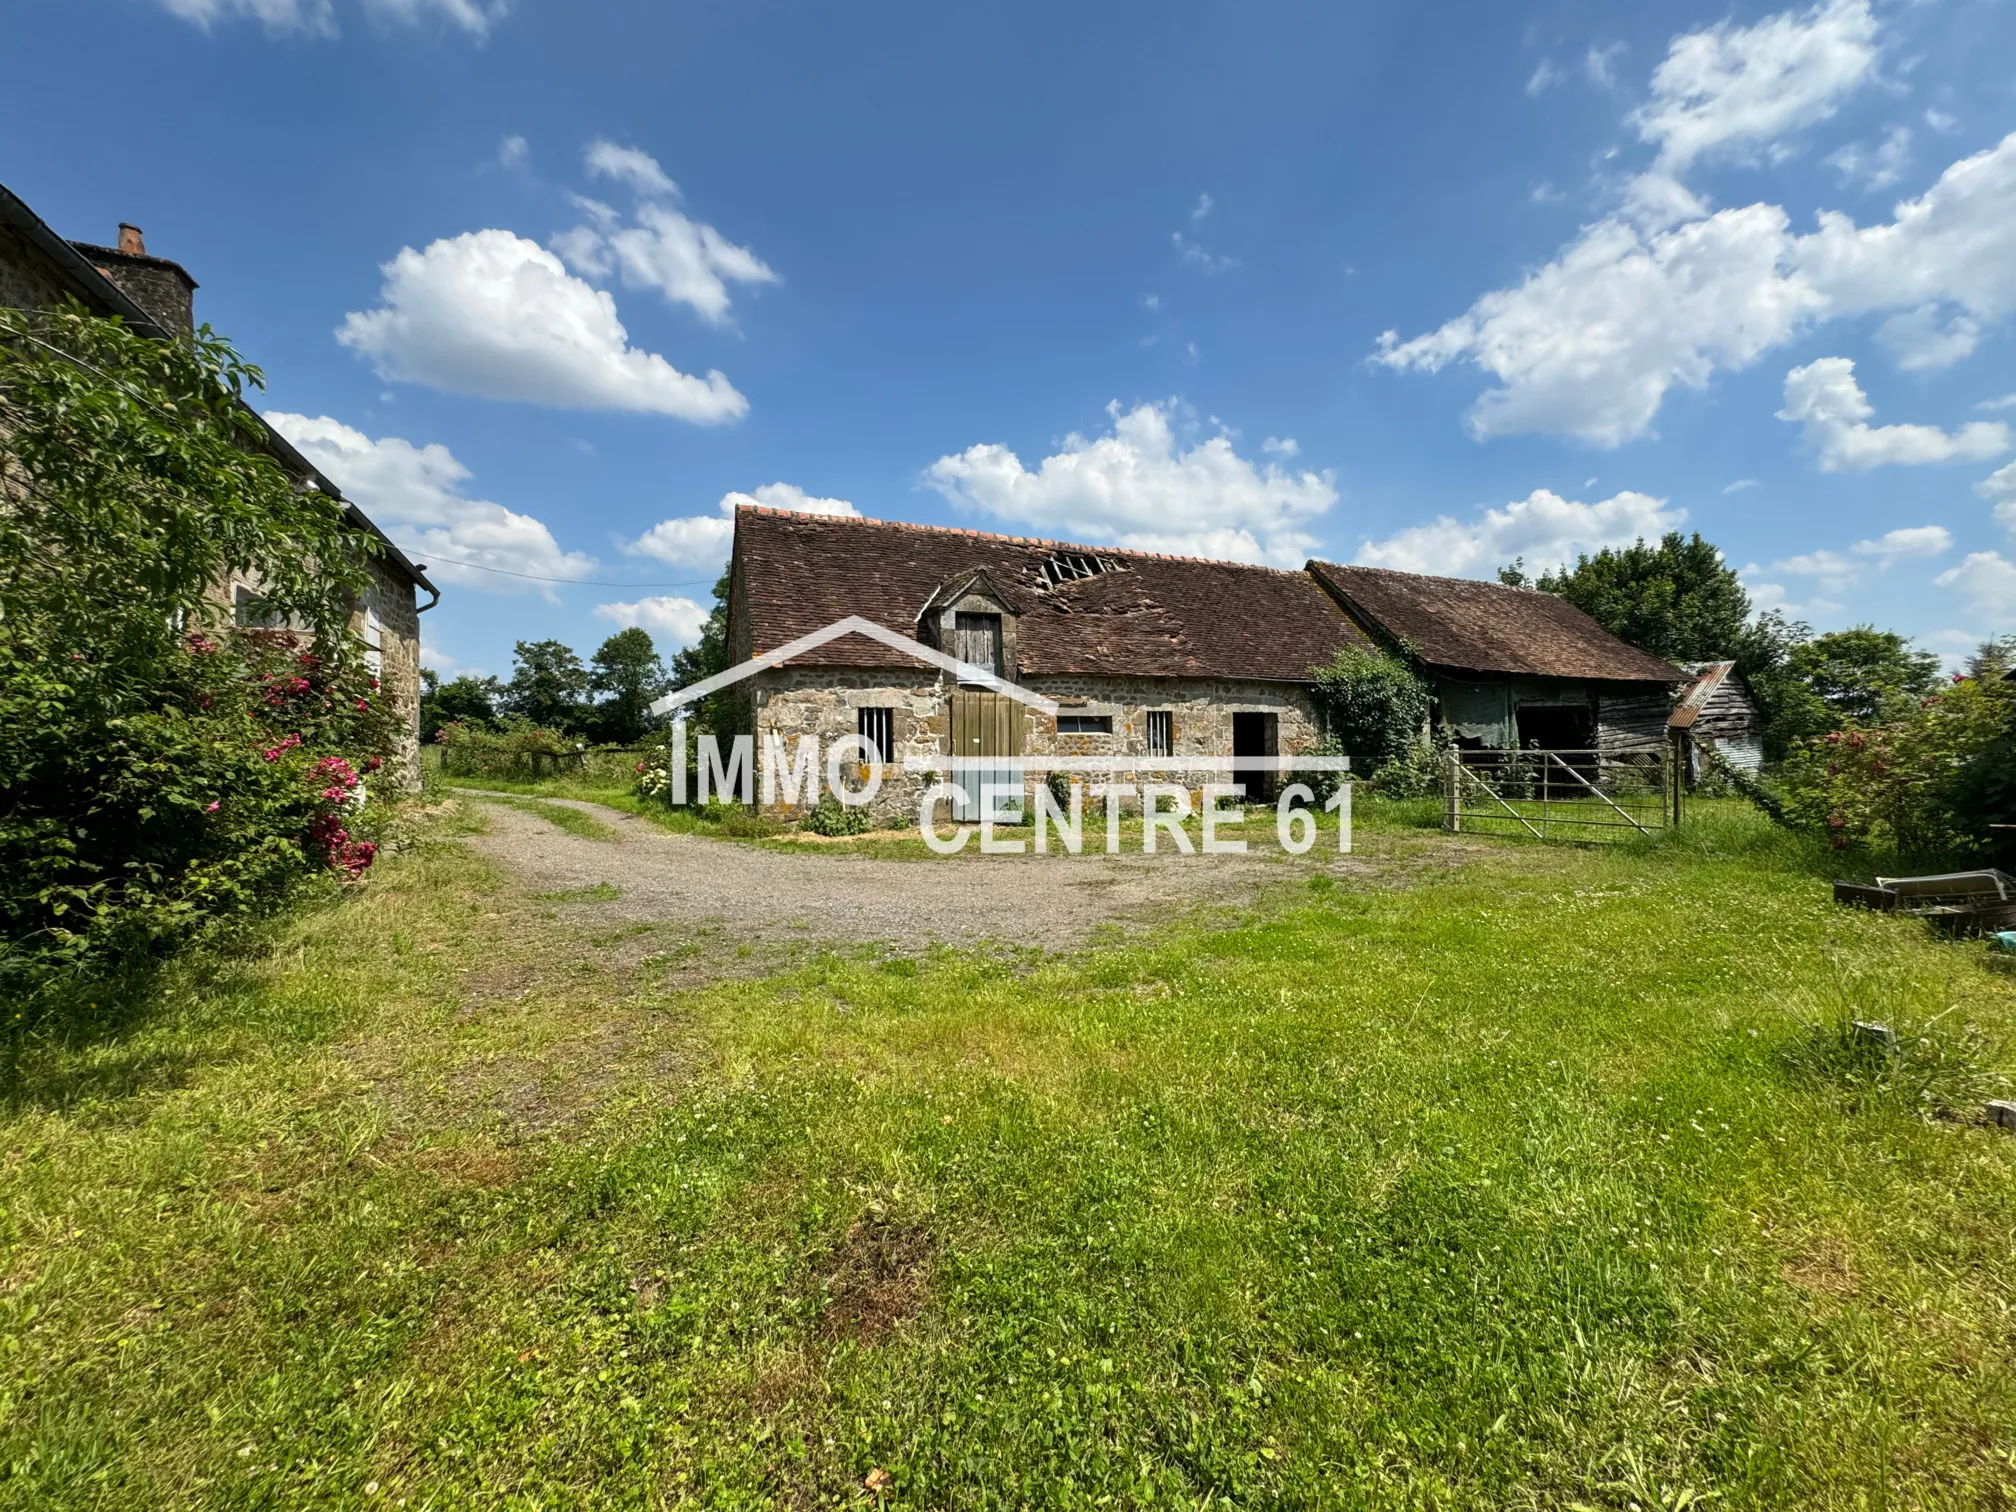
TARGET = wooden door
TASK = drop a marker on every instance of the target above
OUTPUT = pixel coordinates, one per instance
(983, 723)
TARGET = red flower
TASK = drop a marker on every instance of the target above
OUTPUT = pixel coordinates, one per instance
(363, 706)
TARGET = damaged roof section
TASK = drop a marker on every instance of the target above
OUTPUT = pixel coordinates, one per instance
(1086, 610)
(1461, 625)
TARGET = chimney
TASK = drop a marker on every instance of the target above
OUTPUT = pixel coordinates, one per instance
(161, 288)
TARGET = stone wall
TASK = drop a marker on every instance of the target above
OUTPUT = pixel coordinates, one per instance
(25, 281)
(390, 596)
(793, 701)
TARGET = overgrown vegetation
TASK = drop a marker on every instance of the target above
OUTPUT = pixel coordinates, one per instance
(1373, 705)
(1931, 778)
(165, 772)
(1521, 1182)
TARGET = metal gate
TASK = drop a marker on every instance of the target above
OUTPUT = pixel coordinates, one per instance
(1591, 795)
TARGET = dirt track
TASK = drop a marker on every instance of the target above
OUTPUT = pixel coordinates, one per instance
(754, 894)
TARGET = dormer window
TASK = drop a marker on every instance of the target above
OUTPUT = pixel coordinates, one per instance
(977, 639)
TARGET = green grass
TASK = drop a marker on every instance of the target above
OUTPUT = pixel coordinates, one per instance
(1546, 1179)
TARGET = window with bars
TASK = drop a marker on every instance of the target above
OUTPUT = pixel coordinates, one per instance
(1161, 733)
(878, 728)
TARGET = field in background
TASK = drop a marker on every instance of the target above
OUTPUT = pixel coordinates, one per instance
(1509, 1175)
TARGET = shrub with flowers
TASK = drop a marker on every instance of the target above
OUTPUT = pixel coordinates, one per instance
(167, 772)
(1906, 784)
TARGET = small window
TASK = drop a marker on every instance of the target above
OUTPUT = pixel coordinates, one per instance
(1084, 724)
(249, 611)
(878, 728)
(373, 636)
(1161, 733)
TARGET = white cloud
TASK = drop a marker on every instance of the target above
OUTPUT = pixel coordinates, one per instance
(1205, 205)
(492, 314)
(1196, 257)
(414, 494)
(1544, 193)
(1139, 487)
(2007, 401)
(703, 541)
(1600, 64)
(512, 152)
(311, 17)
(2000, 487)
(687, 261)
(678, 620)
(1988, 581)
(1544, 528)
(1731, 89)
(1919, 342)
(1591, 343)
(1825, 399)
(471, 16)
(1939, 120)
(1910, 541)
(1833, 570)
(1545, 77)
(318, 17)
(1282, 446)
(1739, 485)
(628, 165)
(1878, 168)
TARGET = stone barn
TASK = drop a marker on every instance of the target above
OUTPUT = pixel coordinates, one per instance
(1144, 655)
(1510, 667)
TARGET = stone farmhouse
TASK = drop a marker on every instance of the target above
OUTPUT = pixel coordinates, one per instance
(155, 296)
(1145, 655)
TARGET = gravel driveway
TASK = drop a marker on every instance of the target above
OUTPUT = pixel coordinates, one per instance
(757, 894)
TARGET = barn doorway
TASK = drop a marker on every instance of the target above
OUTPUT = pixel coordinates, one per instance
(1557, 727)
(983, 724)
(1255, 735)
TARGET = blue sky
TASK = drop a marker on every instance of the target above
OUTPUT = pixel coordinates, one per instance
(543, 285)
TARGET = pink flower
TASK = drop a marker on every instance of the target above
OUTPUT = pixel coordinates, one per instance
(210, 807)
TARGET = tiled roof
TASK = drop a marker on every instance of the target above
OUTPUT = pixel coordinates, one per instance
(1465, 625)
(1143, 616)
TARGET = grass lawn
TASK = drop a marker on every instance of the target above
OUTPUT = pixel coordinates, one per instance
(1546, 1179)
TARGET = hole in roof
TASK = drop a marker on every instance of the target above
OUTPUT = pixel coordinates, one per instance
(1070, 566)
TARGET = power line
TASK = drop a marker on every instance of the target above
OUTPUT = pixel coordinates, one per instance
(536, 578)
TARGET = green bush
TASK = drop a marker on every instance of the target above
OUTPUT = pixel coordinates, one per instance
(1373, 705)
(832, 817)
(514, 747)
(1922, 784)
(165, 772)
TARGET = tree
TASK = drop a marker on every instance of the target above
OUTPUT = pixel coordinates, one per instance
(1678, 599)
(164, 770)
(470, 699)
(706, 657)
(1862, 676)
(628, 676)
(548, 686)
